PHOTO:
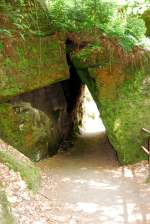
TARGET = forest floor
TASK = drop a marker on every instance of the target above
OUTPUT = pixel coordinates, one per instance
(84, 185)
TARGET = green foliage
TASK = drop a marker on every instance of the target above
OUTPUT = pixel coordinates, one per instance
(135, 27)
(26, 17)
(117, 21)
(79, 15)
(85, 53)
(5, 32)
(58, 14)
(99, 12)
(127, 42)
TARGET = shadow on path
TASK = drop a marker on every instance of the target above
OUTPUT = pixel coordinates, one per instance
(87, 185)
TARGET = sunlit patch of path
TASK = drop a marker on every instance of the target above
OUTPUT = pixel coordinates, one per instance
(86, 185)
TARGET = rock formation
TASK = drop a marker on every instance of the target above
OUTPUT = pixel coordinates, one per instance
(38, 96)
(120, 85)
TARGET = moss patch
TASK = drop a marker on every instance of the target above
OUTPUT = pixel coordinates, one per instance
(5, 213)
(122, 95)
(16, 161)
(29, 58)
(31, 64)
(27, 129)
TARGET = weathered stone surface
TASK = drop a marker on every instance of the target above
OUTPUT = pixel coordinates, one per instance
(29, 57)
(121, 90)
(35, 123)
(28, 65)
(52, 102)
(27, 129)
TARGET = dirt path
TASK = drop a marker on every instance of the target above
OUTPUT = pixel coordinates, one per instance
(87, 186)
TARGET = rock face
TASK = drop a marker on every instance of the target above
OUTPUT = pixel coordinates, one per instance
(27, 129)
(28, 60)
(36, 122)
(121, 89)
(30, 64)
(31, 58)
(38, 100)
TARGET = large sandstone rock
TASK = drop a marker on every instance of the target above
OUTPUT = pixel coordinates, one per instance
(121, 89)
(29, 57)
(36, 122)
(26, 128)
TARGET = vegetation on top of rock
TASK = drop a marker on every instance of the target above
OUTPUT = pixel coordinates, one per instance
(114, 19)
(119, 21)
(26, 16)
(104, 36)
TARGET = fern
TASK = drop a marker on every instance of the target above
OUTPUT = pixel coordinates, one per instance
(105, 16)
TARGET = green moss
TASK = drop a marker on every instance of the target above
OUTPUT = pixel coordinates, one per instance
(26, 17)
(122, 96)
(5, 213)
(125, 115)
(23, 127)
(27, 129)
(31, 64)
(28, 61)
(28, 172)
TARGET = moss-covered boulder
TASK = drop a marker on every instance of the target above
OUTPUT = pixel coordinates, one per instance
(27, 129)
(30, 64)
(29, 57)
(120, 85)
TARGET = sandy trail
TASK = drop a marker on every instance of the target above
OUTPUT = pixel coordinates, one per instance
(86, 185)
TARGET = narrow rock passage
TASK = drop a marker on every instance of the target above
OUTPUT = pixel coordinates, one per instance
(86, 185)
